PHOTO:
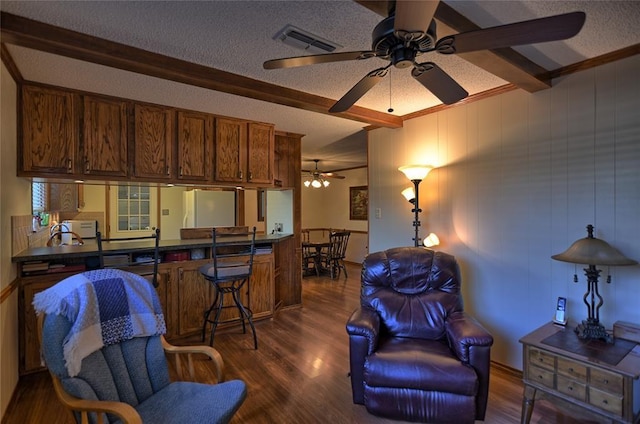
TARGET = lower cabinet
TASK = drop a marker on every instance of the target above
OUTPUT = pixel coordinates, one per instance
(184, 294)
(192, 295)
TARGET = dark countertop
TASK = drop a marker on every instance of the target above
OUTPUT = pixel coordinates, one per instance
(90, 247)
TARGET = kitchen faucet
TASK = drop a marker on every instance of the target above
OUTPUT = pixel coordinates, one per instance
(57, 230)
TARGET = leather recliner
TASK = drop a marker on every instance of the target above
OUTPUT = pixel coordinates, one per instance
(415, 354)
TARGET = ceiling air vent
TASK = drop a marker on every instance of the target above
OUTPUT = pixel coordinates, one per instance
(298, 38)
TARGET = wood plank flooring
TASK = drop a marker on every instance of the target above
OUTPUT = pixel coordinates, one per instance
(299, 372)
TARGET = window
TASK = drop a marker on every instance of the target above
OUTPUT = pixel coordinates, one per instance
(39, 197)
(134, 208)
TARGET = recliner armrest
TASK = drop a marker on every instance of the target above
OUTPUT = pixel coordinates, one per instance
(465, 332)
(365, 322)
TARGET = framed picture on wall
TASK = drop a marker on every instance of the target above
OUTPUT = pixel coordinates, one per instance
(358, 203)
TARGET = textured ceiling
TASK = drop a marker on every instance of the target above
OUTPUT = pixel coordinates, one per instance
(237, 37)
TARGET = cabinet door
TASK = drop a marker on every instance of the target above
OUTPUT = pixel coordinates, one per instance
(260, 151)
(231, 141)
(194, 298)
(164, 294)
(153, 136)
(105, 137)
(29, 345)
(49, 131)
(261, 287)
(194, 146)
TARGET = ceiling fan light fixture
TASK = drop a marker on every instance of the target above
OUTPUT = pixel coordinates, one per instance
(316, 183)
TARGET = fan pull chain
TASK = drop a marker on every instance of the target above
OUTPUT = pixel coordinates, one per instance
(390, 110)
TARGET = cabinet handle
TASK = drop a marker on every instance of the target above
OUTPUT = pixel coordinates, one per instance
(240, 174)
(180, 273)
(69, 166)
(250, 176)
(181, 171)
(87, 166)
(168, 170)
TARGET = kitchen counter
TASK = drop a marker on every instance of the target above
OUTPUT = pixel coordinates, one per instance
(90, 247)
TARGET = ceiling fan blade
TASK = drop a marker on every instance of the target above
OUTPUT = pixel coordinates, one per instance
(292, 62)
(412, 18)
(552, 28)
(439, 83)
(360, 89)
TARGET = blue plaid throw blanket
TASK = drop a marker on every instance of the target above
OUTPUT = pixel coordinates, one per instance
(105, 306)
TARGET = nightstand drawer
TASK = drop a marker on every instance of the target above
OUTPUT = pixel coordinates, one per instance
(541, 376)
(605, 401)
(572, 388)
(542, 359)
(572, 369)
(607, 381)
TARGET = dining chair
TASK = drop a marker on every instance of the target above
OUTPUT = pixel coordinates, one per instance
(335, 254)
(309, 254)
(145, 263)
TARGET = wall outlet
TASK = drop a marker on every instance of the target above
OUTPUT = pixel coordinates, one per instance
(378, 213)
(165, 212)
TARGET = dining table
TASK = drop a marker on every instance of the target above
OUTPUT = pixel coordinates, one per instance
(316, 247)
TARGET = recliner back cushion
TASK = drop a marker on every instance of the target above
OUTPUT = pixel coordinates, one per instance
(413, 290)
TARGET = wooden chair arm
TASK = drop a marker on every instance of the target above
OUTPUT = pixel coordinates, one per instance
(122, 410)
(213, 354)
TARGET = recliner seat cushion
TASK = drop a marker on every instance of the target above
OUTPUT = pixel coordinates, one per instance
(421, 365)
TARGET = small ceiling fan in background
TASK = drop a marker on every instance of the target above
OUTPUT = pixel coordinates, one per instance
(410, 31)
(316, 178)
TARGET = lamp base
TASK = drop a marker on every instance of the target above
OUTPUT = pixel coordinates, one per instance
(592, 330)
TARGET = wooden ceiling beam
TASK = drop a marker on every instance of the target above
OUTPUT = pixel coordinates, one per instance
(51, 39)
(504, 63)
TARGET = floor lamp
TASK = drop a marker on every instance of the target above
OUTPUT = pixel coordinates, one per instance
(415, 173)
(593, 252)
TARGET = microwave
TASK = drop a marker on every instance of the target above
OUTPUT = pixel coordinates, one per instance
(83, 228)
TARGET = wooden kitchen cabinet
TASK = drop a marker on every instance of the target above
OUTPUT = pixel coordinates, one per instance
(230, 151)
(260, 153)
(244, 151)
(195, 145)
(105, 137)
(49, 132)
(153, 142)
(192, 296)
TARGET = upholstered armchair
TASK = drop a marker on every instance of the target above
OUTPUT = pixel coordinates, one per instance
(415, 354)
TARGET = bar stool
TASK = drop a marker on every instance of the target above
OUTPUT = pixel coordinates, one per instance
(228, 278)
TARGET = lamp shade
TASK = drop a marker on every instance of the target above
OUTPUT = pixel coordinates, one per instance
(409, 194)
(415, 172)
(593, 251)
(431, 240)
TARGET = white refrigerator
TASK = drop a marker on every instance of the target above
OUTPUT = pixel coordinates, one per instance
(206, 208)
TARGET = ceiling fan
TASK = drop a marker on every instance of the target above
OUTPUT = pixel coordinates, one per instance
(410, 31)
(318, 178)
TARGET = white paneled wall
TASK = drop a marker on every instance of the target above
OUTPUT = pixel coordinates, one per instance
(519, 176)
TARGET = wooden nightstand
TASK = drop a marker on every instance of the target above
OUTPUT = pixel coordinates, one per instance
(601, 378)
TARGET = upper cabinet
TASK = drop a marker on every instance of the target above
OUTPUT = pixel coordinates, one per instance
(69, 134)
(260, 153)
(195, 145)
(49, 131)
(231, 147)
(244, 151)
(153, 142)
(104, 137)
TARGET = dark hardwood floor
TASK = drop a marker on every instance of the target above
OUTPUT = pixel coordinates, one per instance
(299, 372)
